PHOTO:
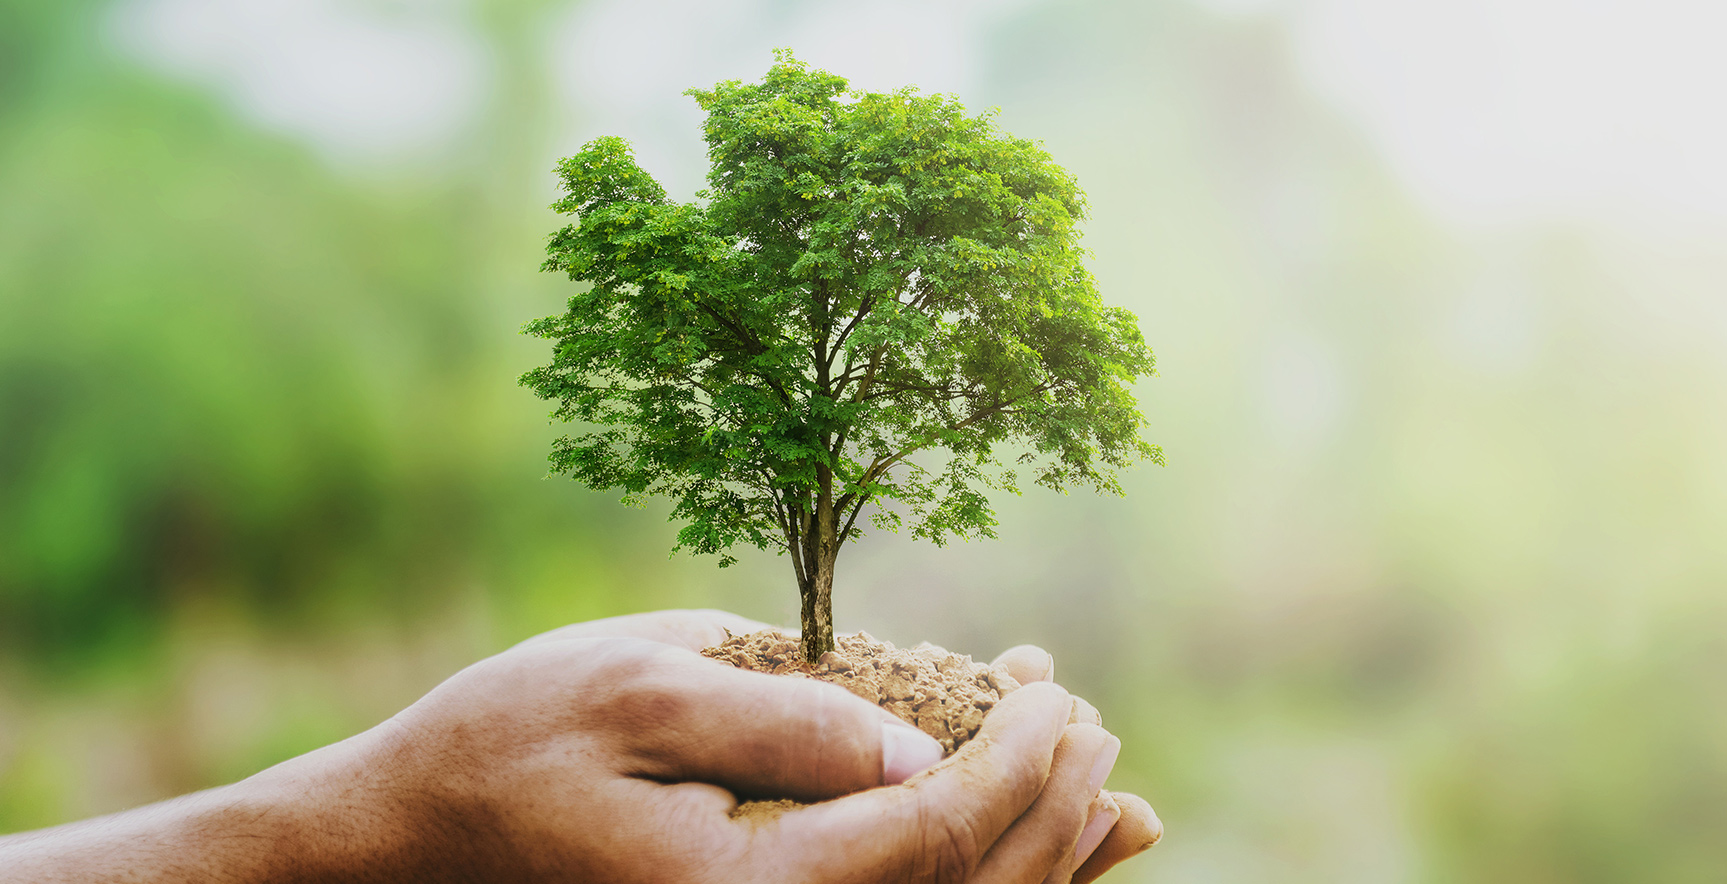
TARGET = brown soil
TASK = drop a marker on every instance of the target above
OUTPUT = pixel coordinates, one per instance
(758, 812)
(945, 695)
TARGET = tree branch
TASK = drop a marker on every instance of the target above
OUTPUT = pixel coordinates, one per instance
(750, 346)
(943, 394)
(882, 464)
(851, 519)
(864, 307)
(794, 543)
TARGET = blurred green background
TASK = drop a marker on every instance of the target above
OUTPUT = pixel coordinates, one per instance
(1431, 589)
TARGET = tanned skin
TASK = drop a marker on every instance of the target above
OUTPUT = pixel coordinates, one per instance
(612, 751)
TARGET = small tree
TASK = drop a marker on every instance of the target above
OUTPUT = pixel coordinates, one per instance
(878, 295)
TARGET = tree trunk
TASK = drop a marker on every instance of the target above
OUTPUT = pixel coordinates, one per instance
(816, 583)
(818, 611)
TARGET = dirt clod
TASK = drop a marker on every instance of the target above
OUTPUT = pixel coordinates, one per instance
(758, 812)
(944, 695)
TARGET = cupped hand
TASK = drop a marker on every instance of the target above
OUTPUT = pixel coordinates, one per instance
(1119, 825)
(612, 751)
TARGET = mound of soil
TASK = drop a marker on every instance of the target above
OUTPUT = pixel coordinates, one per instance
(944, 695)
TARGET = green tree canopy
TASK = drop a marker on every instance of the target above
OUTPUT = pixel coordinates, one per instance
(879, 303)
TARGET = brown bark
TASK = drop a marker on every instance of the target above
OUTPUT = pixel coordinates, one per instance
(818, 612)
(821, 549)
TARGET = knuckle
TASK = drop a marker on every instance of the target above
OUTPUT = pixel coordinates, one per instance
(830, 711)
(1058, 695)
(957, 851)
(1057, 854)
(954, 846)
(627, 685)
(643, 703)
(1025, 772)
(835, 713)
(836, 736)
(1086, 734)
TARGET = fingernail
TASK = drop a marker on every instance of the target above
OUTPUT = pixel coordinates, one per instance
(905, 751)
(1095, 831)
(1105, 763)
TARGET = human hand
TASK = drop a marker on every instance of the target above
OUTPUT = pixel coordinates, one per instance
(1119, 825)
(611, 751)
(1105, 827)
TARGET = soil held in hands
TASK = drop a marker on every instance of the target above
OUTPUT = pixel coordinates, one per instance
(944, 695)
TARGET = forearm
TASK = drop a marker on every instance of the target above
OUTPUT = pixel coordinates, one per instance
(308, 819)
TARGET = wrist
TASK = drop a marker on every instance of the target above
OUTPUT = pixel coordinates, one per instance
(336, 814)
(303, 820)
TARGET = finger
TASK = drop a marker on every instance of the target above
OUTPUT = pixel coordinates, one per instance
(692, 629)
(1043, 838)
(680, 718)
(1134, 833)
(1101, 816)
(940, 824)
(1027, 663)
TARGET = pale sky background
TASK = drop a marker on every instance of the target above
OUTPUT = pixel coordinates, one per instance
(1498, 115)
(1494, 111)
(1497, 110)
(1443, 509)
(367, 84)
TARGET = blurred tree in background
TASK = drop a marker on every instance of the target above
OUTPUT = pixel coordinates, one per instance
(1431, 589)
(238, 387)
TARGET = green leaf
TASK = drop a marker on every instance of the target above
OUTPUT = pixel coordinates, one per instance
(873, 278)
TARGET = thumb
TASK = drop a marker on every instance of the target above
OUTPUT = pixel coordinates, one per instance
(684, 718)
(939, 826)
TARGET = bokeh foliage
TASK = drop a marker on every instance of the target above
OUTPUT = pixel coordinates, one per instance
(242, 394)
(1430, 590)
(214, 356)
